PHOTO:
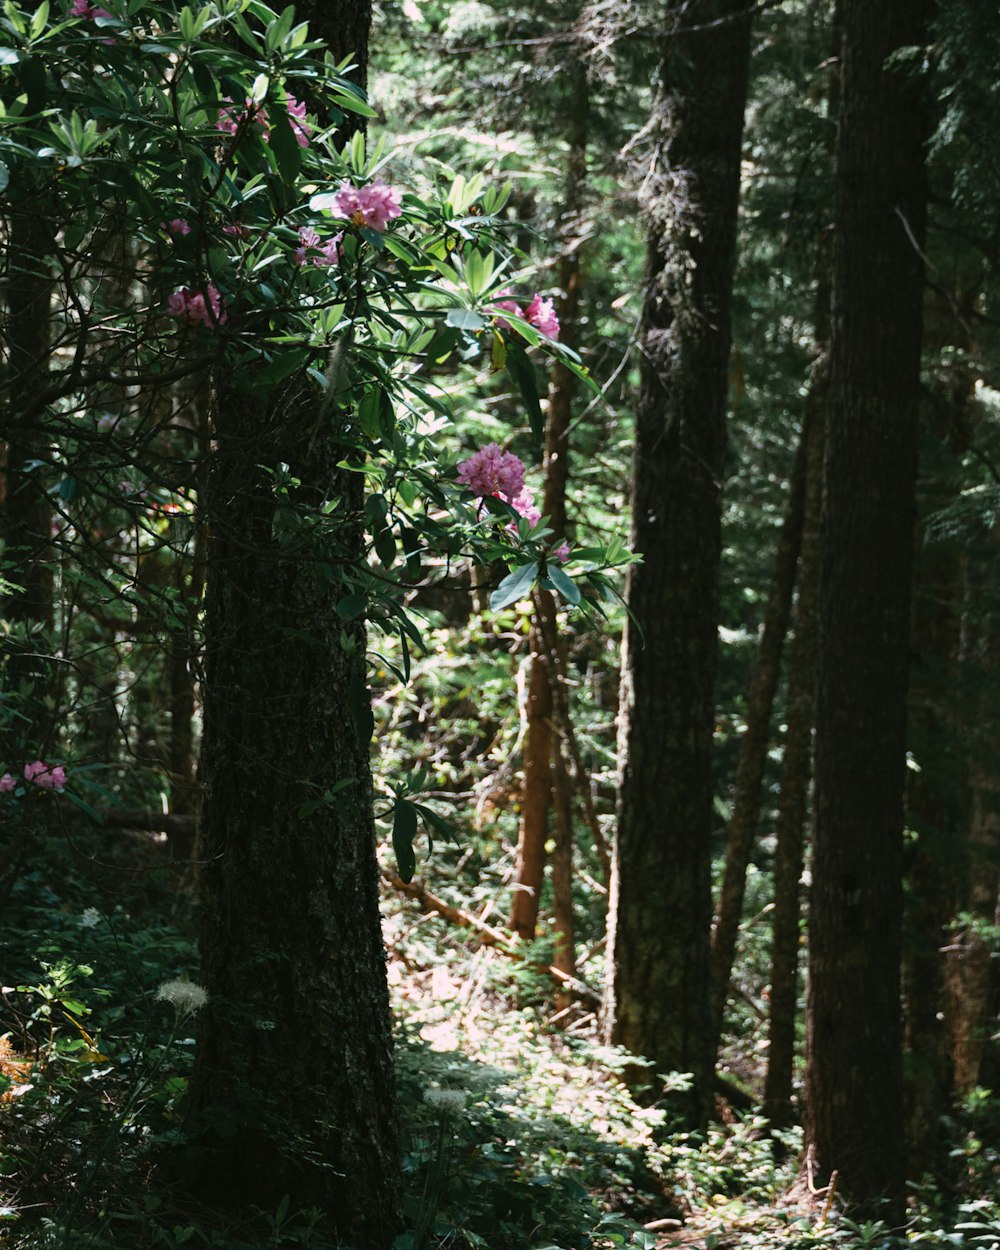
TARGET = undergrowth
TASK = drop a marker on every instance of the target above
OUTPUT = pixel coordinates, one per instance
(517, 1128)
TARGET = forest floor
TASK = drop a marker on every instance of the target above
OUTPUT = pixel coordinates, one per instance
(538, 1085)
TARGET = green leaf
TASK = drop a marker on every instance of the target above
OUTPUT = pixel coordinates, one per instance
(404, 830)
(281, 367)
(514, 586)
(4, 177)
(285, 146)
(385, 548)
(9, 56)
(464, 319)
(522, 371)
(40, 17)
(564, 585)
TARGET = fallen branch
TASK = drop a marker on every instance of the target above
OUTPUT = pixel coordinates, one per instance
(487, 935)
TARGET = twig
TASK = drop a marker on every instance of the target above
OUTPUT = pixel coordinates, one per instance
(487, 935)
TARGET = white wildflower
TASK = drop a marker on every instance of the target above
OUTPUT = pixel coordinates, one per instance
(90, 919)
(185, 997)
(446, 1102)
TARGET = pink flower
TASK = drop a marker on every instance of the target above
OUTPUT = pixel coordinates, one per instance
(191, 306)
(542, 315)
(7, 783)
(177, 226)
(373, 206)
(87, 11)
(524, 502)
(44, 776)
(297, 119)
(326, 253)
(493, 472)
(238, 230)
(504, 301)
(561, 553)
(232, 119)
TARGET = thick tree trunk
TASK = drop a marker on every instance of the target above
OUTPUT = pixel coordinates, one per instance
(294, 1061)
(293, 1087)
(659, 923)
(756, 739)
(854, 1080)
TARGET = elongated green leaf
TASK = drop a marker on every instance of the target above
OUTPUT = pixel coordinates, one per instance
(514, 586)
(522, 371)
(404, 830)
(564, 585)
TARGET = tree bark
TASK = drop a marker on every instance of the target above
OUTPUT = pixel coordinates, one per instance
(854, 1079)
(659, 923)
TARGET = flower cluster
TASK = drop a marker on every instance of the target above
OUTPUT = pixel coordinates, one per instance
(373, 206)
(500, 474)
(540, 313)
(493, 472)
(186, 997)
(196, 308)
(177, 226)
(37, 773)
(87, 11)
(447, 1102)
(232, 119)
(323, 253)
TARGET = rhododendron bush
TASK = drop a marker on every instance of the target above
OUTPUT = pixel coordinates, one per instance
(183, 178)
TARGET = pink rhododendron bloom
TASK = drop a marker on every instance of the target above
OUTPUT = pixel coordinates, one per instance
(238, 230)
(7, 783)
(493, 472)
(561, 552)
(503, 300)
(191, 306)
(301, 129)
(232, 119)
(324, 253)
(87, 11)
(524, 502)
(373, 206)
(542, 315)
(177, 226)
(44, 776)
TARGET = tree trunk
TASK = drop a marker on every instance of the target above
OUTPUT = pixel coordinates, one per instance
(294, 1059)
(971, 969)
(756, 739)
(796, 771)
(293, 1087)
(544, 765)
(659, 922)
(854, 1080)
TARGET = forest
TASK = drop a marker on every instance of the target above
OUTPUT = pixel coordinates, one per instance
(500, 582)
